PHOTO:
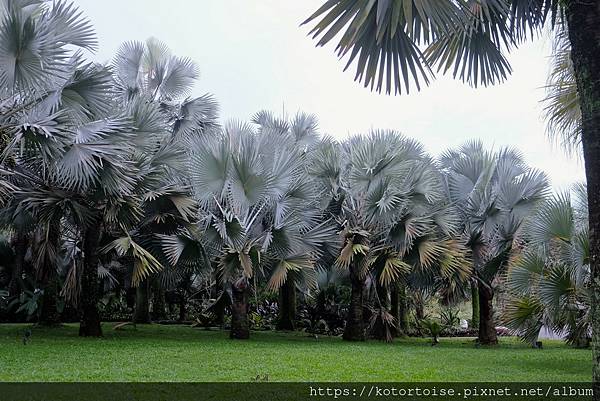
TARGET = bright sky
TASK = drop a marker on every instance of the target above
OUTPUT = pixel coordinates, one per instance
(253, 55)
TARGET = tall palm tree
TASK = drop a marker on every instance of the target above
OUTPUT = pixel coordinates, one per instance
(257, 215)
(156, 84)
(46, 91)
(549, 282)
(495, 193)
(77, 155)
(297, 206)
(394, 43)
(385, 194)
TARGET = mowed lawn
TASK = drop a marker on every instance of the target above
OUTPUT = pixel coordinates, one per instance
(179, 353)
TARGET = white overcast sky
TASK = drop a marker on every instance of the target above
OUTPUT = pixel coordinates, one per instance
(253, 55)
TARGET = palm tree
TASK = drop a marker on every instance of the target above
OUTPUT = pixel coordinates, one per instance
(81, 158)
(257, 215)
(495, 192)
(395, 42)
(95, 186)
(297, 206)
(549, 281)
(385, 194)
(155, 84)
(46, 91)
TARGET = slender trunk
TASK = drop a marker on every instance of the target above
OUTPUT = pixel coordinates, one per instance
(48, 276)
(487, 327)
(142, 310)
(182, 310)
(584, 33)
(170, 302)
(419, 306)
(220, 314)
(403, 309)
(158, 302)
(287, 306)
(384, 296)
(216, 292)
(49, 315)
(20, 247)
(355, 326)
(130, 298)
(379, 329)
(240, 324)
(89, 325)
(395, 309)
(474, 305)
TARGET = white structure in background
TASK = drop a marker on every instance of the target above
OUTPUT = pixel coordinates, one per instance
(546, 333)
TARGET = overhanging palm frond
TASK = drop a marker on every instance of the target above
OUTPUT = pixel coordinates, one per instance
(525, 271)
(149, 125)
(384, 38)
(384, 35)
(179, 77)
(48, 203)
(473, 50)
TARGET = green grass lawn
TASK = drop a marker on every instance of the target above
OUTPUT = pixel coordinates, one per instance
(177, 353)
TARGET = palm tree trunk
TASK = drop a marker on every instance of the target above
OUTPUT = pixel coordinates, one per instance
(474, 305)
(399, 308)
(287, 306)
(584, 33)
(216, 292)
(48, 274)
(395, 308)
(142, 309)
(379, 329)
(240, 324)
(20, 247)
(158, 302)
(90, 317)
(182, 310)
(419, 306)
(355, 325)
(404, 310)
(487, 327)
(49, 315)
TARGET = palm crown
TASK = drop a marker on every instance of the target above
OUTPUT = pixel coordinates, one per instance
(387, 197)
(549, 281)
(495, 193)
